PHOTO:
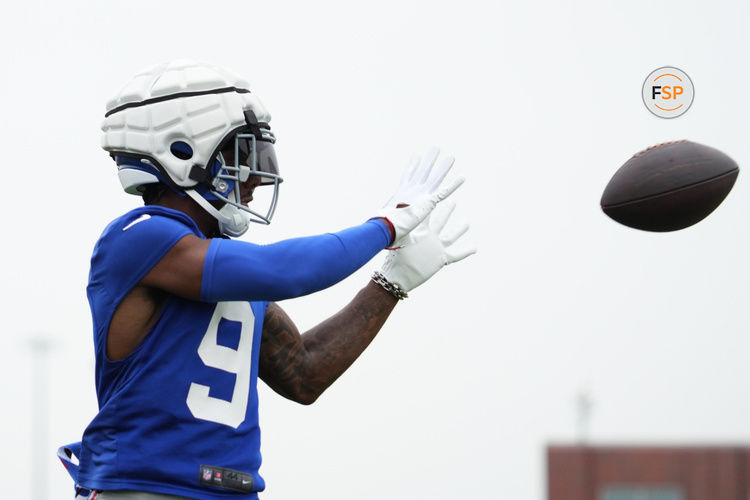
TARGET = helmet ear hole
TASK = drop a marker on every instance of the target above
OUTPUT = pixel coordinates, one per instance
(181, 150)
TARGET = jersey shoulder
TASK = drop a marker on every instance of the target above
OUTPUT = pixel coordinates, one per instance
(159, 218)
(133, 243)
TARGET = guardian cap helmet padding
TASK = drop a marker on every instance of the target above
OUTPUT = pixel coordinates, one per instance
(170, 124)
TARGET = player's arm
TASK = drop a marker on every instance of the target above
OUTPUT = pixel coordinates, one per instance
(224, 270)
(301, 366)
(180, 271)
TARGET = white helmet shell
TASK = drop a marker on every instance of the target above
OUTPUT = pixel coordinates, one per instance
(181, 101)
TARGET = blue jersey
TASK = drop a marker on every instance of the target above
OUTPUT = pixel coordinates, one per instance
(179, 415)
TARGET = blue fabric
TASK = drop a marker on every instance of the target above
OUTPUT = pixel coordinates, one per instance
(65, 454)
(175, 403)
(236, 270)
(145, 436)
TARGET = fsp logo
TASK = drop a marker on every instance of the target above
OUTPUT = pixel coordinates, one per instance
(668, 92)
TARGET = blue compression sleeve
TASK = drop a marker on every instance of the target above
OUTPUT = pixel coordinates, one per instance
(236, 270)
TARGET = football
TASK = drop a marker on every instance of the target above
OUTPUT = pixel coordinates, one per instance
(669, 186)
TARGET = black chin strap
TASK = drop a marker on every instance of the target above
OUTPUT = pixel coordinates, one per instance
(200, 175)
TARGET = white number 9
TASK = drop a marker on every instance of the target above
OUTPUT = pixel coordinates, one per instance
(237, 361)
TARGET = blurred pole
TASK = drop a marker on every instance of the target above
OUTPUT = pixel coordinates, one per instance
(584, 403)
(40, 348)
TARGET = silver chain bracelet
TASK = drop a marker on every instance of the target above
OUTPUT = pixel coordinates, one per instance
(389, 287)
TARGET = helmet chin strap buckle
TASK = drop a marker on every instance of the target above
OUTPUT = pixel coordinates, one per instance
(231, 223)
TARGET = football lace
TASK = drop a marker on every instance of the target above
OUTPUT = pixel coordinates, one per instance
(639, 153)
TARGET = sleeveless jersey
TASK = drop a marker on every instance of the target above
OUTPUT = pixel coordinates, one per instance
(179, 415)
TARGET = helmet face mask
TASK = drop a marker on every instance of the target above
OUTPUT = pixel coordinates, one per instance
(252, 158)
(198, 129)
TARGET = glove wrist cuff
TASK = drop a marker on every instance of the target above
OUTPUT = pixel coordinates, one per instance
(391, 229)
(388, 286)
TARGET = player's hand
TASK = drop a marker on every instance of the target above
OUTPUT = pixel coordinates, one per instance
(422, 176)
(425, 250)
(420, 190)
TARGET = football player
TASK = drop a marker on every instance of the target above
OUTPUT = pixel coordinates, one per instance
(185, 318)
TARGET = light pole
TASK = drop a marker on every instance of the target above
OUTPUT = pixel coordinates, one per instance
(40, 347)
(584, 404)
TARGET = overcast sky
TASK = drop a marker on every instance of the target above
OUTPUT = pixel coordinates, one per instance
(540, 102)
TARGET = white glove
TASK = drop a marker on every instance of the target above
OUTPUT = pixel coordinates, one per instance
(425, 251)
(420, 178)
(420, 190)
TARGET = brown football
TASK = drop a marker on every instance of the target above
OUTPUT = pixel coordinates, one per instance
(669, 186)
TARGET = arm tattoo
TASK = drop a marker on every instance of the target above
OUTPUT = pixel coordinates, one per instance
(301, 367)
(281, 351)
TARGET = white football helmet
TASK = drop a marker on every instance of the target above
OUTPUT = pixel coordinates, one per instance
(170, 124)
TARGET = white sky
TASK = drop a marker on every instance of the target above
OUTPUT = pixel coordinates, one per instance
(477, 372)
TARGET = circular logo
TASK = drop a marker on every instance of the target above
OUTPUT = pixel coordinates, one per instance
(668, 92)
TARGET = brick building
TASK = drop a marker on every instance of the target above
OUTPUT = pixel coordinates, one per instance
(648, 473)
